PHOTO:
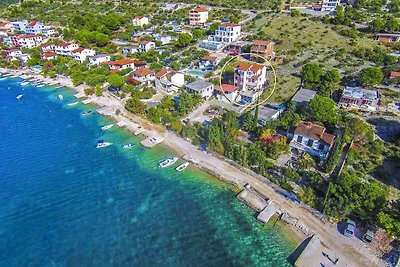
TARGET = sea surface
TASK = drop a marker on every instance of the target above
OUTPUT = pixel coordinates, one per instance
(65, 203)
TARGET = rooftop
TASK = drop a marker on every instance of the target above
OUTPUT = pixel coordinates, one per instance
(261, 42)
(78, 50)
(209, 58)
(198, 85)
(226, 88)
(228, 24)
(314, 131)
(99, 56)
(360, 93)
(304, 95)
(143, 72)
(246, 66)
(199, 9)
(120, 62)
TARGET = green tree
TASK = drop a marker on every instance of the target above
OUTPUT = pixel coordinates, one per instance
(371, 76)
(176, 125)
(198, 33)
(321, 109)
(134, 105)
(376, 25)
(184, 39)
(115, 80)
(311, 73)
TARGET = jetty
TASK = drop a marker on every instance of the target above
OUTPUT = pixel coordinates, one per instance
(252, 199)
(152, 141)
(79, 95)
(270, 210)
(87, 101)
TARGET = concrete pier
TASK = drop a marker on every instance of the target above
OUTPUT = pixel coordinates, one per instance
(152, 141)
(252, 199)
(270, 210)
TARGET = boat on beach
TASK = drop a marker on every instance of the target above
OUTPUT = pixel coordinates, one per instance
(128, 146)
(167, 162)
(182, 166)
(19, 96)
(86, 113)
(101, 144)
(24, 83)
(106, 127)
(73, 103)
(61, 97)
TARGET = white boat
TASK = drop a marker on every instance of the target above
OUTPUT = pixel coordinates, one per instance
(167, 162)
(128, 146)
(182, 166)
(24, 83)
(40, 86)
(19, 96)
(107, 127)
(86, 113)
(73, 104)
(101, 144)
(3, 78)
(60, 97)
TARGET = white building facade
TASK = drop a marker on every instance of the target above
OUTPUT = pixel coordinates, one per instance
(226, 33)
(198, 16)
(329, 5)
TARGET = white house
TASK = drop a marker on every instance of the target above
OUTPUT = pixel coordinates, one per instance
(140, 21)
(130, 49)
(250, 75)
(205, 89)
(198, 16)
(226, 33)
(48, 48)
(48, 55)
(34, 27)
(329, 5)
(227, 93)
(121, 64)
(19, 25)
(65, 49)
(146, 46)
(208, 63)
(23, 40)
(163, 38)
(11, 53)
(80, 54)
(143, 75)
(23, 58)
(98, 59)
(311, 138)
(169, 80)
(48, 31)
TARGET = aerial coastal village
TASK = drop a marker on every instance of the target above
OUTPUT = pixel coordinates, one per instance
(299, 101)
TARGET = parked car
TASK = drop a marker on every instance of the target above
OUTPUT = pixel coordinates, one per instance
(370, 234)
(349, 228)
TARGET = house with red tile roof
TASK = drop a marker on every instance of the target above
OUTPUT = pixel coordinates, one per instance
(146, 46)
(388, 37)
(250, 78)
(226, 33)
(65, 49)
(263, 48)
(208, 62)
(143, 75)
(140, 21)
(10, 54)
(227, 93)
(393, 75)
(48, 55)
(312, 139)
(23, 40)
(198, 16)
(34, 27)
(121, 64)
(80, 54)
(169, 80)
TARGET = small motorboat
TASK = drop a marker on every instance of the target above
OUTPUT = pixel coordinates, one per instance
(167, 162)
(101, 144)
(3, 78)
(19, 96)
(129, 146)
(72, 104)
(107, 127)
(61, 97)
(182, 166)
(39, 85)
(24, 83)
(86, 113)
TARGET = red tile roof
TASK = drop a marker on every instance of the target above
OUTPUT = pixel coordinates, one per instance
(314, 131)
(394, 74)
(209, 58)
(139, 63)
(64, 44)
(120, 62)
(143, 72)
(226, 88)
(249, 66)
(27, 36)
(32, 23)
(228, 24)
(199, 9)
(80, 49)
(139, 17)
(144, 42)
(261, 42)
(48, 55)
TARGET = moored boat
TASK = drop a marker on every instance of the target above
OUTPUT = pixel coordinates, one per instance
(39, 85)
(60, 97)
(19, 96)
(167, 162)
(128, 146)
(107, 127)
(3, 78)
(182, 166)
(101, 144)
(86, 113)
(24, 83)
(73, 104)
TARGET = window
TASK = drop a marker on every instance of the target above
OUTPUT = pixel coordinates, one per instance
(321, 146)
(310, 142)
(299, 139)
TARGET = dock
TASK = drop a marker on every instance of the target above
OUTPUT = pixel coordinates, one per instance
(152, 141)
(87, 101)
(270, 210)
(252, 199)
(79, 95)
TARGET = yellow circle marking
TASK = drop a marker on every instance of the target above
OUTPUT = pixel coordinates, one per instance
(251, 105)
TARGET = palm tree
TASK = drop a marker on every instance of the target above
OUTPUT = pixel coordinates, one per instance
(306, 161)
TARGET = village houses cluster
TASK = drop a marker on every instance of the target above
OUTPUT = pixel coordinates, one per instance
(249, 75)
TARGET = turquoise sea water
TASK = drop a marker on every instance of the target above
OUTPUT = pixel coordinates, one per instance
(65, 203)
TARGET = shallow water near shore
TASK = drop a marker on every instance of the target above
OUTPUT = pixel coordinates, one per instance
(66, 203)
